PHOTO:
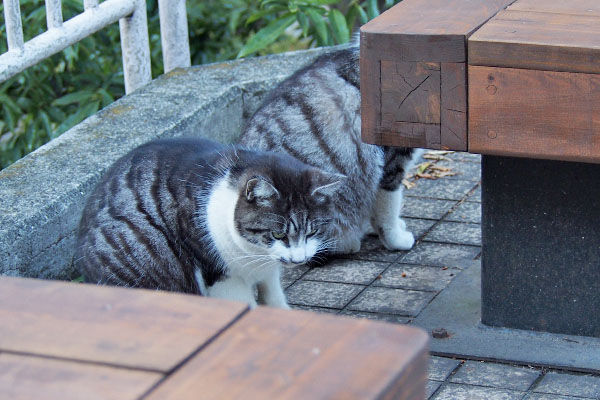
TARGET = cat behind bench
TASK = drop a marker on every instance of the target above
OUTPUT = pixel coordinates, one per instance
(314, 116)
(194, 216)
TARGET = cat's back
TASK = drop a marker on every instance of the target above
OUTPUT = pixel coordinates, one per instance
(140, 211)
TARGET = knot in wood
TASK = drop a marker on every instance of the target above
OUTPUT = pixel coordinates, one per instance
(491, 89)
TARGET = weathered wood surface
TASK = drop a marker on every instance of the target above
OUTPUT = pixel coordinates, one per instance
(275, 354)
(536, 114)
(406, 54)
(105, 324)
(33, 378)
(71, 341)
(551, 35)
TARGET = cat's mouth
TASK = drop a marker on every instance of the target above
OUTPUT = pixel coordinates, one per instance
(287, 261)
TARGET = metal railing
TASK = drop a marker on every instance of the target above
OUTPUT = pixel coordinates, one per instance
(133, 27)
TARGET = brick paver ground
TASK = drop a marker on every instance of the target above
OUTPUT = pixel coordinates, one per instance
(445, 216)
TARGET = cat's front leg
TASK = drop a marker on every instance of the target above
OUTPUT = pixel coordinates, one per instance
(387, 223)
(233, 289)
(270, 292)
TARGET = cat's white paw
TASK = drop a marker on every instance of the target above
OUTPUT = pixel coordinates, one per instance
(402, 224)
(396, 239)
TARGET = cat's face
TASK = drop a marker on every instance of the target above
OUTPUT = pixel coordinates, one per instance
(288, 218)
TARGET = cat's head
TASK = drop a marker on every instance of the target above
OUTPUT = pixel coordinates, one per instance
(287, 210)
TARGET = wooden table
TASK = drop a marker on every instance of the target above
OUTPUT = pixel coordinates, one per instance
(74, 341)
(519, 82)
(532, 67)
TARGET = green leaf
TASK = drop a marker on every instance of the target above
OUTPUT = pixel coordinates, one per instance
(321, 2)
(341, 34)
(9, 103)
(267, 35)
(389, 3)
(75, 97)
(320, 26)
(46, 123)
(258, 15)
(362, 15)
(372, 9)
(303, 22)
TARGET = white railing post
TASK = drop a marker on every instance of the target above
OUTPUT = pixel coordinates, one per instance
(136, 48)
(174, 34)
(54, 17)
(14, 27)
(87, 4)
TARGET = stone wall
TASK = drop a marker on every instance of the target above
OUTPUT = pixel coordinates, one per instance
(42, 195)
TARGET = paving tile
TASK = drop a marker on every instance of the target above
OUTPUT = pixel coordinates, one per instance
(544, 396)
(466, 392)
(417, 207)
(372, 249)
(417, 277)
(391, 301)
(418, 227)
(441, 367)
(441, 254)
(468, 171)
(475, 196)
(291, 274)
(496, 375)
(445, 189)
(395, 319)
(571, 385)
(462, 156)
(431, 387)
(466, 212)
(321, 294)
(456, 232)
(315, 309)
(347, 271)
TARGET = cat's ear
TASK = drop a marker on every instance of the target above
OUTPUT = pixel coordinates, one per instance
(261, 190)
(326, 184)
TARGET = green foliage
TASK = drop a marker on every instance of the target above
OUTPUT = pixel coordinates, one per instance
(44, 101)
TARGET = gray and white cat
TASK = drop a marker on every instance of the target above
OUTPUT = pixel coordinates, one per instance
(314, 116)
(194, 216)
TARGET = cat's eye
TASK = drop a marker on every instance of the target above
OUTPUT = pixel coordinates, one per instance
(278, 235)
(312, 233)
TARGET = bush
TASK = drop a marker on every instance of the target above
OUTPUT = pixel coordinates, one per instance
(46, 100)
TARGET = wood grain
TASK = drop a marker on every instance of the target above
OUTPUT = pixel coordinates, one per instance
(280, 354)
(427, 30)
(569, 7)
(453, 129)
(410, 92)
(401, 103)
(538, 40)
(537, 114)
(33, 378)
(128, 327)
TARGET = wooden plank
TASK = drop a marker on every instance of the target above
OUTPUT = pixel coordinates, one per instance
(427, 30)
(396, 48)
(573, 7)
(33, 378)
(127, 327)
(537, 114)
(410, 92)
(453, 134)
(280, 354)
(538, 40)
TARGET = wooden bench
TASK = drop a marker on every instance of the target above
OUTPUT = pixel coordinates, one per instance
(519, 82)
(73, 341)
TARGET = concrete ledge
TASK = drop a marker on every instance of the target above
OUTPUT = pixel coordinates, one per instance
(43, 194)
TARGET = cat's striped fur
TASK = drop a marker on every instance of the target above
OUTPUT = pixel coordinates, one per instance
(194, 216)
(314, 116)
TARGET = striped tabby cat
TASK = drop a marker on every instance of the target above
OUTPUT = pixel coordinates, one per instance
(193, 216)
(314, 116)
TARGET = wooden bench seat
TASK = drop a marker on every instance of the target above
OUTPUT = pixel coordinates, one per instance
(73, 341)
